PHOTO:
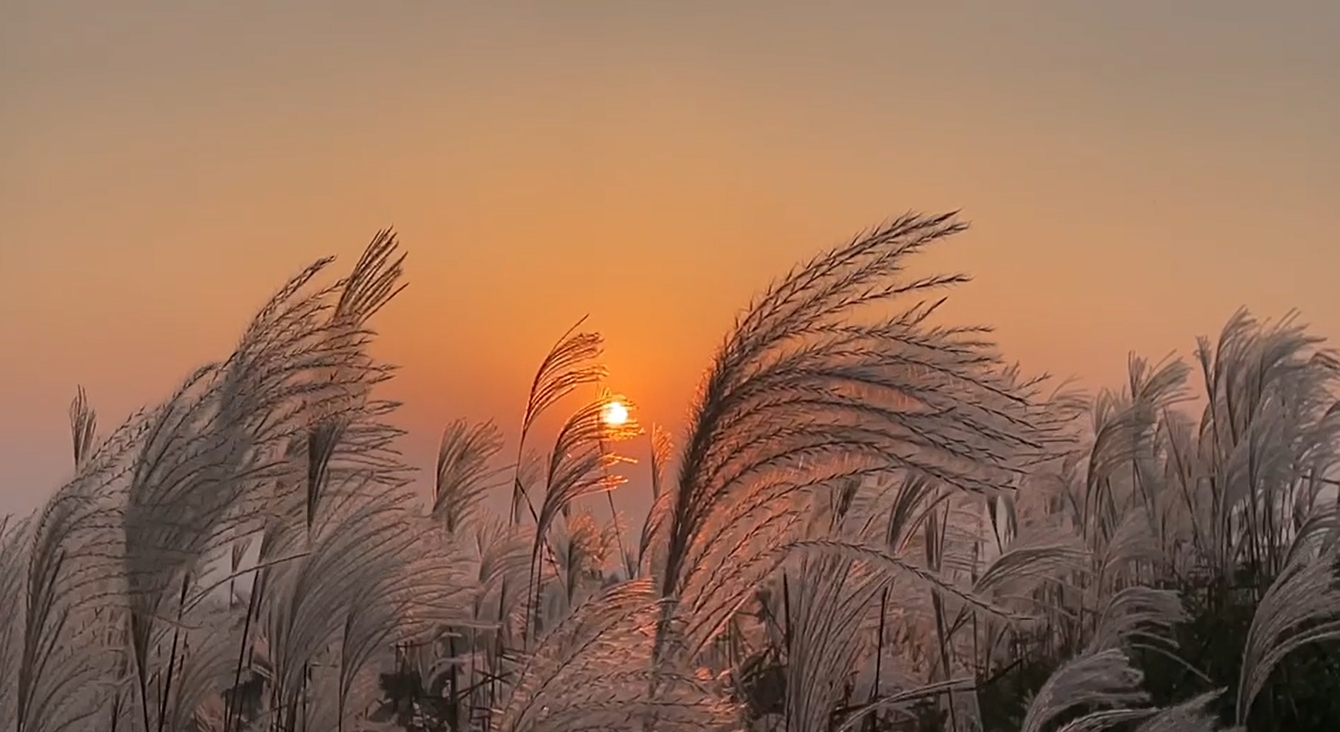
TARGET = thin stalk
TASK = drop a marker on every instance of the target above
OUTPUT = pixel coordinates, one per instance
(935, 536)
(614, 514)
(172, 659)
(453, 705)
(879, 654)
(253, 607)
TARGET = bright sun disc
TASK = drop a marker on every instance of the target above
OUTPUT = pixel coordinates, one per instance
(615, 414)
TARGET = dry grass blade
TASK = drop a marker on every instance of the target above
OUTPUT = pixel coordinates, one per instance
(292, 398)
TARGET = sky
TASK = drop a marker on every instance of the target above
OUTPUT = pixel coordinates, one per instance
(1133, 171)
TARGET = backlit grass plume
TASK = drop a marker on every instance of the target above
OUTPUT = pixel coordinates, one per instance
(803, 393)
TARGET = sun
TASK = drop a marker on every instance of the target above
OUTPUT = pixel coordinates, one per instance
(614, 414)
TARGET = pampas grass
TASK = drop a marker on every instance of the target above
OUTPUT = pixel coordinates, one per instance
(874, 517)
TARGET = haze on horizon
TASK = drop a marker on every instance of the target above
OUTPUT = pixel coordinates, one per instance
(1134, 172)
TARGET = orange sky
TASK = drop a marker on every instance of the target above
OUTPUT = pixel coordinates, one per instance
(1133, 174)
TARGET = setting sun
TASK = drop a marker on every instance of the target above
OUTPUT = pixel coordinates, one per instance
(615, 414)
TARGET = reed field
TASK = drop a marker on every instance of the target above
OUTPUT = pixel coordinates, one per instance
(871, 522)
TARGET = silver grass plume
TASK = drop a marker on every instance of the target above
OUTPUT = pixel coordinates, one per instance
(214, 442)
(831, 598)
(582, 548)
(60, 574)
(83, 427)
(1301, 606)
(14, 538)
(1189, 716)
(1102, 675)
(591, 672)
(800, 396)
(209, 645)
(360, 553)
(297, 375)
(576, 468)
(570, 364)
(1271, 423)
(1105, 678)
(465, 472)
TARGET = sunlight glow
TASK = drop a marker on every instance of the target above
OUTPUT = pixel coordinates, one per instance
(615, 414)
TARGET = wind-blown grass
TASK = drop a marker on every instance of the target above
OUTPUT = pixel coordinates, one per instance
(876, 523)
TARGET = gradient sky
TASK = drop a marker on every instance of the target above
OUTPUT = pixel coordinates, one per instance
(1134, 172)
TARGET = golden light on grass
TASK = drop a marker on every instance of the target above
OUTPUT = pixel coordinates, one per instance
(615, 414)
